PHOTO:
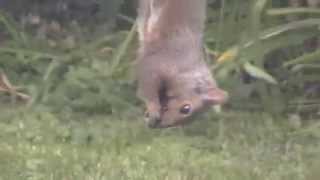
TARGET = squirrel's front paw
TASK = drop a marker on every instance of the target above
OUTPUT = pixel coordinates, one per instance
(152, 116)
(152, 119)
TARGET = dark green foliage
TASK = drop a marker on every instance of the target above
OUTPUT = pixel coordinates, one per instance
(83, 78)
(265, 48)
(252, 34)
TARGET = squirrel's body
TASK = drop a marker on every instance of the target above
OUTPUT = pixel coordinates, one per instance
(173, 77)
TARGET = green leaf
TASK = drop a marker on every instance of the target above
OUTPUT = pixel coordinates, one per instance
(289, 11)
(307, 58)
(259, 73)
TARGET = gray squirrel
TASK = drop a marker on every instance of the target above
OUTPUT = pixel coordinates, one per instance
(174, 80)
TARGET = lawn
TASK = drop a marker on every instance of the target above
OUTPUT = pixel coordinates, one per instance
(39, 144)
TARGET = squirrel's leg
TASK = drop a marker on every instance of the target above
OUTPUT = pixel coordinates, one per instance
(149, 92)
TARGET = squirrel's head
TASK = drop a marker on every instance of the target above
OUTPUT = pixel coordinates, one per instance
(186, 95)
(187, 86)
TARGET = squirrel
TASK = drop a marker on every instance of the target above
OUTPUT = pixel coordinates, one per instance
(174, 80)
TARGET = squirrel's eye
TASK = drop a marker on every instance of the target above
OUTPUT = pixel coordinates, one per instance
(186, 109)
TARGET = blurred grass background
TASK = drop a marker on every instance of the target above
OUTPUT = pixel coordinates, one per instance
(73, 62)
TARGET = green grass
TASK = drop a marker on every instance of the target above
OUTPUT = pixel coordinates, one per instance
(37, 144)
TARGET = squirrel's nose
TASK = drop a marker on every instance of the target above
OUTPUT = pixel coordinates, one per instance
(152, 119)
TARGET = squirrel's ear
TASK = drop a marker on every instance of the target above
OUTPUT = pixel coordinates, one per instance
(215, 96)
